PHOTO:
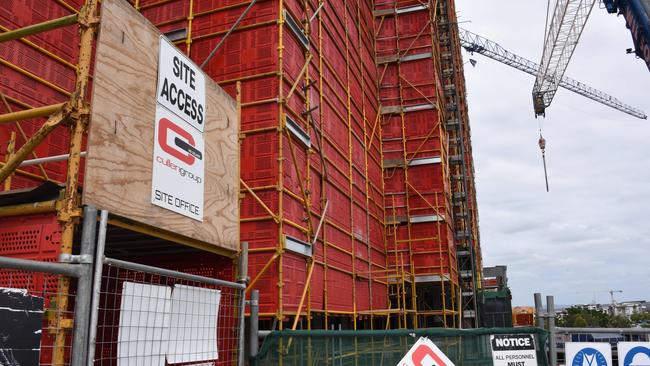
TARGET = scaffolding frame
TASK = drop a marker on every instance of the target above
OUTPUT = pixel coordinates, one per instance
(463, 189)
(73, 114)
(448, 312)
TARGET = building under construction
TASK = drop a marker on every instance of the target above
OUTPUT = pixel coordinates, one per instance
(356, 194)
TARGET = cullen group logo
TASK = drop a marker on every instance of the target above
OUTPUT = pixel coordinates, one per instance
(589, 357)
(184, 147)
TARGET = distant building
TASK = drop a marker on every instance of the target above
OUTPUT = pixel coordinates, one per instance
(624, 308)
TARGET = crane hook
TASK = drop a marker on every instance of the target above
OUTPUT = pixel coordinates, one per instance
(542, 146)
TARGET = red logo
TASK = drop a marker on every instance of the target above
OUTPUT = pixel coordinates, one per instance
(422, 352)
(183, 150)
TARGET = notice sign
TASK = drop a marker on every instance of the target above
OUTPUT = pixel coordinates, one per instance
(178, 175)
(181, 85)
(588, 353)
(513, 350)
(425, 353)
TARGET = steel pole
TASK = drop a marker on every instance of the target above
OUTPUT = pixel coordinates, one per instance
(30, 113)
(37, 28)
(63, 269)
(550, 310)
(254, 326)
(539, 317)
(97, 284)
(242, 279)
(84, 287)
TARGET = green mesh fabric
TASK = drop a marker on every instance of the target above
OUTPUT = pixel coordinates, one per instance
(368, 347)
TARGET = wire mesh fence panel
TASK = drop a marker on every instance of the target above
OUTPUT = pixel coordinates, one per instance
(340, 348)
(612, 336)
(147, 318)
(36, 318)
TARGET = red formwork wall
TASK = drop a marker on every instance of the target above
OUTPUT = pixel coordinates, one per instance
(418, 191)
(351, 248)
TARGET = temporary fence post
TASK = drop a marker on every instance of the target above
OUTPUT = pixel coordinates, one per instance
(539, 319)
(242, 278)
(84, 287)
(550, 313)
(253, 329)
(97, 283)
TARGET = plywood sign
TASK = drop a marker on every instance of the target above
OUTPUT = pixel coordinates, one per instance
(163, 137)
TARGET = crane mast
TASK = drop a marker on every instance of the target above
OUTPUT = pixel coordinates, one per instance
(474, 43)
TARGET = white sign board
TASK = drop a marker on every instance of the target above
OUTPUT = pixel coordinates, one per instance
(143, 327)
(425, 353)
(178, 177)
(588, 354)
(193, 324)
(181, 85)
(159, 323)
(513, 350)
(634, 353)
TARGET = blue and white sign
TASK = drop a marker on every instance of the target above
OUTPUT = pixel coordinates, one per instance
(588, 354)
(634, 353)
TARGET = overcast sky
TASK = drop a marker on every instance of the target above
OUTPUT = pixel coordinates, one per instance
(592, 231)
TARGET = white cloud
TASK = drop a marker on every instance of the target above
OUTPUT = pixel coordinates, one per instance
(592, 231)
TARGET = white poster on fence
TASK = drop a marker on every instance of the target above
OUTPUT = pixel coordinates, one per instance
(143, 327)
(588, 354)
(634, 353)
(193, 324)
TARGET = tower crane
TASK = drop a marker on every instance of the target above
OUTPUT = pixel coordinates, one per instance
(474, 43)
(560, 40)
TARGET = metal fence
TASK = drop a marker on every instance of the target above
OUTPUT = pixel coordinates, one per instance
(91, 310)
(148, 315)
(598, 335)
(34, 322)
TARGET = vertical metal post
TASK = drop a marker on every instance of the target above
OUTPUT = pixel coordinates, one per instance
(242, 277)
(539, 316)
(550, 312)
(97, 283)
(84, 287)
(253, 328)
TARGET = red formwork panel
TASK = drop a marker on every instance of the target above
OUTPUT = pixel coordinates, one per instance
(260, 234)
(244, 53)
(339, 290)
(268, 282)
(317, 283)
(294, 269)
(259, 159)
(35, 237)
(362, 289)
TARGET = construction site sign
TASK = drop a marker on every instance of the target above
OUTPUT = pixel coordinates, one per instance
(425, 353)
(181, 85)
(588, 353)
(163, 140)
(513, 350)
(178, 167)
